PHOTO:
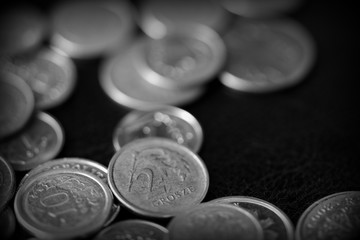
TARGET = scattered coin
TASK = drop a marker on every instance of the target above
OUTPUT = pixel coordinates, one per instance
(214, 221)
(333, 217)
(63, 204)
(7, 223)
(274, 222)
(133, 229)
(7, 183)
(41, 141)
(168, 122)
(157, 177)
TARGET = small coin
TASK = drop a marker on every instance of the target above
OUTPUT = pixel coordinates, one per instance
(333, 217)
(167, 122)
(214, 221)
(267, 55)
(16, 103)
(84, 29)
(274, 222)
(7, 223)
(122, 83)
(133, 229)
(160, 16)
(63, 204)
(41, 141)
(188, 56)
(157, 177)
(50, 75)
(7, 183)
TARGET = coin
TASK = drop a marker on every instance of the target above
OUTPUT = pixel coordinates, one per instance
(214, 221)
(123, 84)
(188, 56)
(84, 29)
(133, 229)
(157, 177)
(267, 55)
(50, 75)
(16, 103)
(7, 183)
(63, 204)
(333, 217)
(157, 17)
(274, 222)
(168, 122)
(7, 223)
(41, 141)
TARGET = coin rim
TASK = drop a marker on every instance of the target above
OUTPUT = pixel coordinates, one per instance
(11, 187)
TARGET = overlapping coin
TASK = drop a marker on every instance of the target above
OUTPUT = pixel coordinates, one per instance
(7, 183)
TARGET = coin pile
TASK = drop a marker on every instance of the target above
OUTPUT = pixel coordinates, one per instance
(156, 172)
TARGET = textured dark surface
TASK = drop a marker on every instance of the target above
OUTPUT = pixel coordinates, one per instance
(290, 148)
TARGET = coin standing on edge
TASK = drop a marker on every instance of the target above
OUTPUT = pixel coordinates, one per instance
(133, 229)
(167, 122)
(7, 183)
(212, 221)
(63, 204)
(16, 103)
(41, 141)
(157, 177)
(275, 223)
(266, 56)
(333, 217)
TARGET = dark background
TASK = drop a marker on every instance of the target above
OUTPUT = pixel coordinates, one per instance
(289, 148)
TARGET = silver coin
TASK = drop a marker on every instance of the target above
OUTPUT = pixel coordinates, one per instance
(84, 29)
(267, 55)
(7, 183)
(333, 217)
(168, 122)
(41, 141)
(133, 229)
(7, 223)
(188, 56)
(157, 17)
(16, 103)
(50, 75)
(63, 204)
(214, 221)
(122, 83)
(274, 222)
(157, 177)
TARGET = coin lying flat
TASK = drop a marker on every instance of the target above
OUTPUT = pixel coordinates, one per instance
(157, 177)
(7, 183)
(16, 103)
(267, 55)
(333, 217)
(185, 57)
(41, 141)
(84, 29)
(122, 83)
(274, 222)
(133, 229)
(63, 204)
(214, 221)
(7, 223)
(168, 122)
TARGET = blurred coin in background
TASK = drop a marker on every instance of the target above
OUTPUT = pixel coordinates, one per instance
(7, 223)
(7, 183)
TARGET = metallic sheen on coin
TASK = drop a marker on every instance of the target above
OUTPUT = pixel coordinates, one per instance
(157, 177)
(167, 122)
(333, 217)
(133, 229)
(275, 223)
(211, 221)
(63, 204)
(41, 141)
(267, 55)
(7, 183)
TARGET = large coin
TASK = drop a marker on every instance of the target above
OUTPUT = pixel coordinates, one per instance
(336, 216)
(63, 204)
(41, 141)
(267, 55)
(133, 229)
(213, 222)
(7, 183)
(157, 177)
(275, 223)
(168, 122)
